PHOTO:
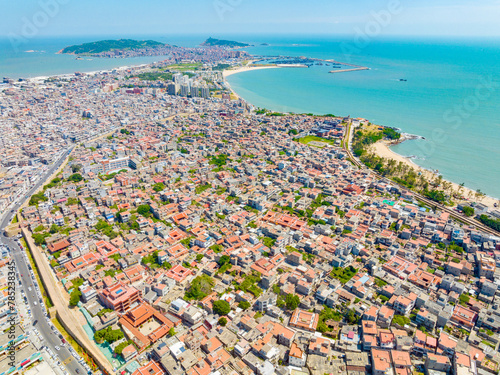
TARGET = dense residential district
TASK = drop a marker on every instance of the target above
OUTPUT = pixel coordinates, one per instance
(190, 233)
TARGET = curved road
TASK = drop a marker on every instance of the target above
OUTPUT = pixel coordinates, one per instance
(50, 337)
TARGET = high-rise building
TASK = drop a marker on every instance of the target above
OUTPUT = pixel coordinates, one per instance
(172, 89)
(195, 90)
(184, 90)
(205, 92)
(177, 78)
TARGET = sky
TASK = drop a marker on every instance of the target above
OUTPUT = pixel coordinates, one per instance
(231, 17)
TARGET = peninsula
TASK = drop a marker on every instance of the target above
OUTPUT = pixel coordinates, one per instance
(101, 46)
(212, 42)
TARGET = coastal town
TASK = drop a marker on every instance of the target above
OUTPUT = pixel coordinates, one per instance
(188, 232)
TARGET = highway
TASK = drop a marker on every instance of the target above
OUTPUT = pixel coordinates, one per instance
(453, 214)
(51, 337)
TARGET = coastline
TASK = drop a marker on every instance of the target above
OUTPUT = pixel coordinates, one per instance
(382, 149)
(91, 73)
(227, 73)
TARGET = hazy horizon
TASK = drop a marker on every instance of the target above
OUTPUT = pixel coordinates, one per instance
(460, 18)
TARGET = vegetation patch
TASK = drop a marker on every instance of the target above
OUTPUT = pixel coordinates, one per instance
(343, 274)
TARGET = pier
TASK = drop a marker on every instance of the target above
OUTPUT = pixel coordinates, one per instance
(353, 69)
(303, 62)
(349, 70)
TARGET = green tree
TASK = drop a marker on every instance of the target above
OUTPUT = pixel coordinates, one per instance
(109, 334)
(468, 211)
(76, 168)
(104, 311)
(143, 210)
(75, 177)
(74, 297)
(221, 307)
(351, 317)
(244, 305)
(39, 238)
(159, 186)
(119, 349)
(200, 287)
(292, 301)
(37, 198)
(222, 322)
(224, 260)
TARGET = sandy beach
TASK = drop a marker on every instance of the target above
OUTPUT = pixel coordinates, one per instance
(382, 149)
(242, 69)
(228, 72)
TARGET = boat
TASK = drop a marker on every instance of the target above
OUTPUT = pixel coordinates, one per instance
(403, 80)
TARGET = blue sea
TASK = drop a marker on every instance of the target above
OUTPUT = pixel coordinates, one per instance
(451, 95)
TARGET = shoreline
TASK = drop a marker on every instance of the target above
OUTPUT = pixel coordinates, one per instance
(382, 149)
(226, 73)
(92, 72)
(229, 72)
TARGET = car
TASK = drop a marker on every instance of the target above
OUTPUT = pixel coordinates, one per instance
(35, 303)
(56, 347)
(77, 371)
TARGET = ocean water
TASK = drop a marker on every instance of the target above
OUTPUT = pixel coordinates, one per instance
(451, 96)
(38, 57)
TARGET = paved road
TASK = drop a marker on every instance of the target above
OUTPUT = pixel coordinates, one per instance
(7, 217)
(453, 214)
(50, 337)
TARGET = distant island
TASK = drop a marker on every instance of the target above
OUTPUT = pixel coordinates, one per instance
(212, 42)
(104, 46)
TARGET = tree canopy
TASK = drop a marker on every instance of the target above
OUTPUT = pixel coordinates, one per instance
(221, 307)
(292, 301)
(200, 287)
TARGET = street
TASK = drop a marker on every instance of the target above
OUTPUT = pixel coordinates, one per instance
(51, 337)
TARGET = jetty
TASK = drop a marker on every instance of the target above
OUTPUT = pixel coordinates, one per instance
(353, 68)
(348, 70)
(305, 62)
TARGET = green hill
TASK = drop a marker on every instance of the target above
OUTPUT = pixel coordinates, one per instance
(211, 42)
(110, 45)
